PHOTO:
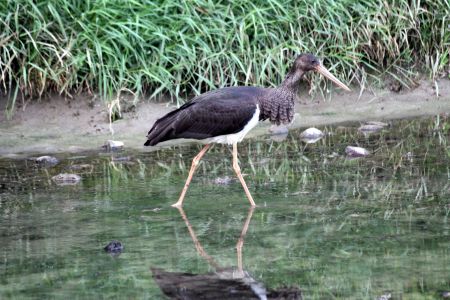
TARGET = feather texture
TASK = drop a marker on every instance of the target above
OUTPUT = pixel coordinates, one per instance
(219, 112)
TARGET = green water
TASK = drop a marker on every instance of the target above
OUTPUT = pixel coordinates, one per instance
(330, 226)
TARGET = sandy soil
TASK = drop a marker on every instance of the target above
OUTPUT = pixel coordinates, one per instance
(62, 125)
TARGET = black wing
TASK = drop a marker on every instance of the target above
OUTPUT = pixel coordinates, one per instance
(220, 112)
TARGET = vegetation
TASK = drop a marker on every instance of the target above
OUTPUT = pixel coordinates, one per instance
(177, 48)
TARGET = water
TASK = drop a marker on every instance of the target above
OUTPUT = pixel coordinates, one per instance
(326, 226)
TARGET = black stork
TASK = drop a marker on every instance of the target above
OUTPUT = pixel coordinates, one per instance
(226, 115)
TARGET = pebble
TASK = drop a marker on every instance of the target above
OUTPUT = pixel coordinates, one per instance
(372, 126)
(111, 145)
(82, 167)
(66, 179)
(223, 180)
(47, 160)
(356, 151)
(311, 135)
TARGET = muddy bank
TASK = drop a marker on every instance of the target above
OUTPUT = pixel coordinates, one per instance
(59, 125)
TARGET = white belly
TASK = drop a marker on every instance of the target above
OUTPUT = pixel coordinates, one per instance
(238, 136)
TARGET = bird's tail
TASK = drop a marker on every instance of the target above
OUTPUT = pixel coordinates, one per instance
(162, 130)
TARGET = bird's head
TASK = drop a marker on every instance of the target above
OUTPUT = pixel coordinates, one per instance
(308, 62)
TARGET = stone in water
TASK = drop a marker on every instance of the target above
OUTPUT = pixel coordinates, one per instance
(356, 151)
(66, 179)
(311, 135)
(47, 160)
(372, 126)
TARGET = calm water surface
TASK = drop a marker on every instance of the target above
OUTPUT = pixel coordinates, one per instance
(326, 226)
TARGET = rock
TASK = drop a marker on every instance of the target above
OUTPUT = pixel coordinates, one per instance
(66, 179)
(356, 151)
(114, 247)
(223, 180)
(370, 127)
(311, 135)
(82, 167)
(47, 160)
(111, 145)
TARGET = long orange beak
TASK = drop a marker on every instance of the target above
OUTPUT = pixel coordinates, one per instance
(322, 70)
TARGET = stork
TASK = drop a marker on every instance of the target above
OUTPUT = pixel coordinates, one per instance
(226, 115)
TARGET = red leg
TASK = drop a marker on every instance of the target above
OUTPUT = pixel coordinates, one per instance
(194, 165)
(237, 169)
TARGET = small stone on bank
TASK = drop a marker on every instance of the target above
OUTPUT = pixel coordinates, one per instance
(47, 160)
(356, 151)
(111, 145)
(66, 179)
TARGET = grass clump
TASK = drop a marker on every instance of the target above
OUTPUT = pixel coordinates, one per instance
(178, 48)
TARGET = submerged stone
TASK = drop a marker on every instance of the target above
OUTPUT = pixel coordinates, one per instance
(226, 180)
(372, 126)
(82, 167)
(66, 179)
(352, 151)
(47, 160)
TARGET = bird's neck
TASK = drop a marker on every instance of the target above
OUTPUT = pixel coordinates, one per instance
(278, 104)
(292, 81)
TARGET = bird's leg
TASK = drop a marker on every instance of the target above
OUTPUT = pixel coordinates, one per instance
(237, 169)
(240, 242)
(194, 165)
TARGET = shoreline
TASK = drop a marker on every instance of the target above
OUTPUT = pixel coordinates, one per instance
(57, 125)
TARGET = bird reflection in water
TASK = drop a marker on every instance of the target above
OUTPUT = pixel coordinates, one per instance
(223, 283)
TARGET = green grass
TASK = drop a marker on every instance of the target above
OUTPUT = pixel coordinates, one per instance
(171, 48)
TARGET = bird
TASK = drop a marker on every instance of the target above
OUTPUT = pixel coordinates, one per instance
(226, 115)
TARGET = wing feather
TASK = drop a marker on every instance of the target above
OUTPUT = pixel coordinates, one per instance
(220, 112)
